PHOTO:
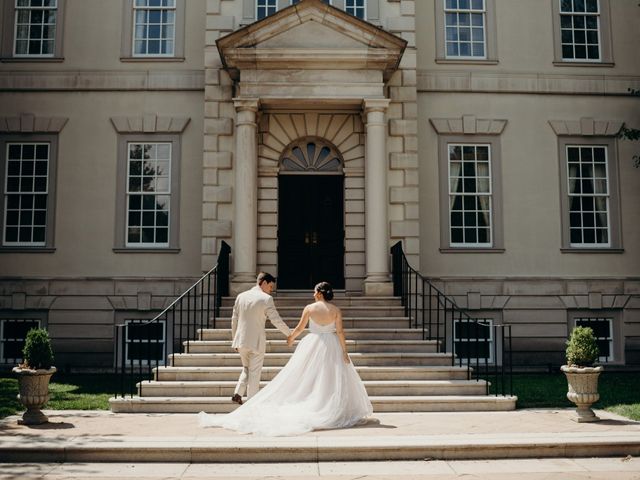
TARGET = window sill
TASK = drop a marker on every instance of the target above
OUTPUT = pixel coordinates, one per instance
(151, 59)
(146, 250)
(27, 249)
(465, 61)
(585, 64)
(592, 250)
(471, 250)
(32, 59)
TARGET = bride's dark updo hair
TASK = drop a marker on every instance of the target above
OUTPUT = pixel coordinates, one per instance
(326, 290)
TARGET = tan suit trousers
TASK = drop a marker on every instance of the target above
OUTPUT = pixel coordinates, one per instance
(249, 380)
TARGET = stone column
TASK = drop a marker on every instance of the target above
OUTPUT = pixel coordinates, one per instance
(378, 280)
(245, 196)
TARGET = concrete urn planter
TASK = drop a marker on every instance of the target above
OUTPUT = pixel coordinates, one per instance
(34, 393)
(583, 390)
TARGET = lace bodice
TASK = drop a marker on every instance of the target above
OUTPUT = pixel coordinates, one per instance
(317, 328)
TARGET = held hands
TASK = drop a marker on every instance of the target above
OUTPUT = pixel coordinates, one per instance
(290, 340)
(346, 358)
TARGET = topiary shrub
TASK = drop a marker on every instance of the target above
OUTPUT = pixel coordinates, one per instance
(582, 348)
(37, 353)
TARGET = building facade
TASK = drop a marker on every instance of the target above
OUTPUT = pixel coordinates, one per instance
(137, 135)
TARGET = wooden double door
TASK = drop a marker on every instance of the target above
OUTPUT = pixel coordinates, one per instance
(310, 231)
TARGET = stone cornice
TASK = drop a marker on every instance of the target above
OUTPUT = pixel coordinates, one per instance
(150, 124)
(29, 123)
(103, 80)
(586, 127)
(468, 125)
(540, 83)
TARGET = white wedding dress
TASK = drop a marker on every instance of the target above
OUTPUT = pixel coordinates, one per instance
(315, 390)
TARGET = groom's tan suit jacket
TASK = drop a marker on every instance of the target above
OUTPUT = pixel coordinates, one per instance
(250, 312)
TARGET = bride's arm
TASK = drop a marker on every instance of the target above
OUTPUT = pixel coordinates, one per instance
(340, 333)
(302, 324)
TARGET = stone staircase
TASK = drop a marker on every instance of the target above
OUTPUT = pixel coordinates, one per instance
(401, 372)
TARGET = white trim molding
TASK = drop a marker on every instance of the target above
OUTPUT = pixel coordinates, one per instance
(468, 125)
(150, 124)
(586, 127)
(29, 123)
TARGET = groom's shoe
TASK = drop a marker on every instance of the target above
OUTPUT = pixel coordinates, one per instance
(237, 399)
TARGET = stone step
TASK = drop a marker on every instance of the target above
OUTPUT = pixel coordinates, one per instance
(362, 322)
(365, 372)
(353, 346)
(450, 403)
(279, 359)
(390, 334)
(373, 387)
(349, 311)
(339, 300)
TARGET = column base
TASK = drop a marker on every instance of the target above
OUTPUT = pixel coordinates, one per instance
(241, 282)
(378, 288)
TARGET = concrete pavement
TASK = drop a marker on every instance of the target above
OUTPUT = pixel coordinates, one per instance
(535, 444)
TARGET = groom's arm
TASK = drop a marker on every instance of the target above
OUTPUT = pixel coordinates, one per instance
(275, 319)
(234, 320)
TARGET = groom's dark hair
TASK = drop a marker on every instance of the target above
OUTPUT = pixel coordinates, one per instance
(265, 277)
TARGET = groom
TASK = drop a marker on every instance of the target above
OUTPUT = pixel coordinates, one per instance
(250, 312)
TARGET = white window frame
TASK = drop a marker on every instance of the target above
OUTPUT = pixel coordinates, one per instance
(484, 321)
(30, 8)
(32, 192)
(470, 11)
(607, 195)
(267, 5)
(586, 320)
(173, 39)
(584, 14)
(128, 341)
(476, 194)
(142, 193)
(352, 10)
(3, 321)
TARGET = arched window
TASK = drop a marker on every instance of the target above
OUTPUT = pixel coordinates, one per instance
(311, 154)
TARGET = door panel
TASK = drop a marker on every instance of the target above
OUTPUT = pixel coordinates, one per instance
(310, 230)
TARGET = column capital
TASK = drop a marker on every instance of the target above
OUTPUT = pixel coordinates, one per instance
(375, 104)
(246, 104)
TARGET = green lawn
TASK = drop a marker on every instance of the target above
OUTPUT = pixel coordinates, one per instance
(68, 392)
(619, 392)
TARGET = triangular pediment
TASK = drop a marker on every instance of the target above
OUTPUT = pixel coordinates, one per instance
(311, 35)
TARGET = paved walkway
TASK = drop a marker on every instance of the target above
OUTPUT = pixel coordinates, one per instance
(439, 445)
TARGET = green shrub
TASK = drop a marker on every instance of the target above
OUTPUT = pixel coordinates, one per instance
(37, 351)
(582, 348)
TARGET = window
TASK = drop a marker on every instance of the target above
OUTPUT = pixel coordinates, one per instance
(148, 191)
(473, 340)
(465, 26)
(470, 208)
(145, 342)
(588, 180)
(580, 29)
(264, 8)
(148, 194)
(154, 27)
(155, 31)
(27, 199)
(603, 331)
(357, 8)
(13, 333)
(35, 27)
(31, 30)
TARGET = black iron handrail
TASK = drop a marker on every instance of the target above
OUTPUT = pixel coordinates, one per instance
(142, 345)
(440, 319)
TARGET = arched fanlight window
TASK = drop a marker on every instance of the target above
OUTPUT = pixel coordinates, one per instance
(310, 154)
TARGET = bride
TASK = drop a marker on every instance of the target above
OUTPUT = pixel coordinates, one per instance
(318, 388)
